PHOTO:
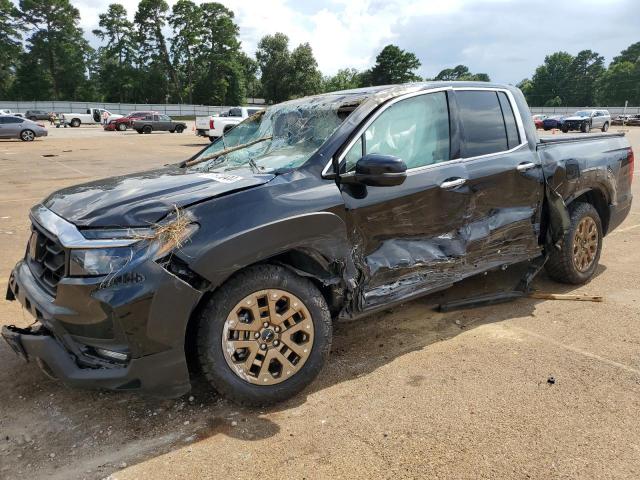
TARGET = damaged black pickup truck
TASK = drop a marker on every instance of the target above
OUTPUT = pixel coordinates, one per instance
(332, 206)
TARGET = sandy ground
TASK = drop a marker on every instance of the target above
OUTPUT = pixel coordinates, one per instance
(409, 393)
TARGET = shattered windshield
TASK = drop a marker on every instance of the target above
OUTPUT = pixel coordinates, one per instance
(283, 137)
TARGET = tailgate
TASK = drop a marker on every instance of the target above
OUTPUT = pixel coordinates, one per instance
(202, 123)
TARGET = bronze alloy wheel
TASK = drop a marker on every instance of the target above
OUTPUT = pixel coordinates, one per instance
(585, 244)
(267, 337)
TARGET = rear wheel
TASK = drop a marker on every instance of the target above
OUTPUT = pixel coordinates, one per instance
(578, 258)
(75, 122)
(264, 335)
(172, 131)
(605, 127)
(122, 127)
(27, 135)
(33, 119)
(179, 129)
(212, 139)
(565, 129)
(147, 129)
(139, 131)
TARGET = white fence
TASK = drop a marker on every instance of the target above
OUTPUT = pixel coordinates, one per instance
(570, 110)
(174, 110)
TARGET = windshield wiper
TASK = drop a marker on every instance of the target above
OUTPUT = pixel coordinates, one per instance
(211, 156)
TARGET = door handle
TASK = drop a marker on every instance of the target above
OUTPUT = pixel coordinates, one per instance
(523, 167)
(452, 183)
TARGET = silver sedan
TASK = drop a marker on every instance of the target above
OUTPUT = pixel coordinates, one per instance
(22, 128)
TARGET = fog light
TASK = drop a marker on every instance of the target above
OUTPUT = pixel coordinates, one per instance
(111, 355)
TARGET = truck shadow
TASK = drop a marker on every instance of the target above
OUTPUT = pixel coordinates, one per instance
(120, 428)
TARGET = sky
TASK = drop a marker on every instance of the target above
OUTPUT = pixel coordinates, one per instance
(507, 39)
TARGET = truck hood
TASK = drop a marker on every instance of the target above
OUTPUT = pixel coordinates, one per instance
(140, 199)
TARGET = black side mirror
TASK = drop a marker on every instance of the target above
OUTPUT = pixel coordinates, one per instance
(377, 171)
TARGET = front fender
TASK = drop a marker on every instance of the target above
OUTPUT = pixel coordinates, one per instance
(322, 232)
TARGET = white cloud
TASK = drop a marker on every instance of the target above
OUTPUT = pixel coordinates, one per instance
(505, 38)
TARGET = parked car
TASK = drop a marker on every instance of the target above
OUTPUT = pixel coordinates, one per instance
(626, 119)
(634, 121)
(157, 123)
(538, 120)
(121, 124)
(585, 120)
(553, 121)
(215, 126)
(333, 206)
(91, 117)
(22, 128)
(7, 111)
(37, 115)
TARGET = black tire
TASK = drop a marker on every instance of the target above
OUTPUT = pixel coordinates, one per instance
(27, 135)
(586, 127)
(565, 129)
(172, 131)
(561, 266)
(75, 123)
(179, 129)
(122, 127)
(212, 318)
(33, 119)
(605, 127)
(147, 129)
(139, 131)
(212, 139)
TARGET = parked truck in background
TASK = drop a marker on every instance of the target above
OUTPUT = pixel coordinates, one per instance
(332, 206)
(91, 117)
(215, 126)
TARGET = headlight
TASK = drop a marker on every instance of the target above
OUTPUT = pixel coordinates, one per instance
(99, 261)
(151, 244)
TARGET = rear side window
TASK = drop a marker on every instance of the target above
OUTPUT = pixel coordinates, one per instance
(513, 138)
(482, 123)
(235, 112)
(11, 120)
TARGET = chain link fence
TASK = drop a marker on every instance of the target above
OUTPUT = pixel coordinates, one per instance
(569, 110)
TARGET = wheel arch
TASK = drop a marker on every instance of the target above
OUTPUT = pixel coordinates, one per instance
(598, 197)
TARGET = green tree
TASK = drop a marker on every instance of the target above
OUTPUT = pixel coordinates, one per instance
(186, 22)
(115, 59)
(150, 20)
(344, 79)
(222, 77)
(304, 76)
(274, 58)
(620, 83)
(56, 45)
(552, 79)
(584, 71)
(629, 54)
(250, 72)
(461, 73)
(10, 46)
(393, 65)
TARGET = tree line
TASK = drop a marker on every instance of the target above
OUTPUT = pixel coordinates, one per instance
(191, 53)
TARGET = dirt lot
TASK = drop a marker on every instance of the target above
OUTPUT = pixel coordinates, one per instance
(409, 393)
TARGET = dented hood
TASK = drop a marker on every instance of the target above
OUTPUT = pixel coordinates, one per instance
(140, 199)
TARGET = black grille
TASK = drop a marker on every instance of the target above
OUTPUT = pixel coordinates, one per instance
(46, 259)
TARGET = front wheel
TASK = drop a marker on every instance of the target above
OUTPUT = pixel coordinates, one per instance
(122, 127)
(586, 127)
(605, 127)
(264, 336)
(27, 135)
(577, 260)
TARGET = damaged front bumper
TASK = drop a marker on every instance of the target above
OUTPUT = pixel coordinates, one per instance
(142, 319)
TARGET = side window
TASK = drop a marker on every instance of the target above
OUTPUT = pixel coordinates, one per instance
(156, 118)
(482, 122)
(510, 125)
(415, 130)
(165, 118)
(235, 112)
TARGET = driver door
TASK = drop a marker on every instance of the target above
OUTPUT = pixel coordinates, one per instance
(406, 238)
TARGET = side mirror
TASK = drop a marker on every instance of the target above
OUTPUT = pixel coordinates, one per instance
(377, 170)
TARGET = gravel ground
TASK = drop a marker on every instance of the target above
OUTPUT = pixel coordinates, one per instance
(529, 389)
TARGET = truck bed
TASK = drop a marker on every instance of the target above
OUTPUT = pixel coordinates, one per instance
(564, 138)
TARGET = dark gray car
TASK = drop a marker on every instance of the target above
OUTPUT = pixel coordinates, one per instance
(17, 127)
(37, 115)
(158, 122)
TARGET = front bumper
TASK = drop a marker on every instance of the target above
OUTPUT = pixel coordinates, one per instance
(146, 318)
